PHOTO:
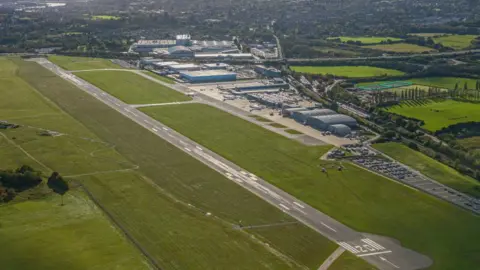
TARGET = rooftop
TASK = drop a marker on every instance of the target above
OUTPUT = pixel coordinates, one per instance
(208, 73)
(180, 66)
(156, 42)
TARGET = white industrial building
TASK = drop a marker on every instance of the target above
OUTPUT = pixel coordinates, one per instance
(216, 66)
(303, 116)
(183, 67)
(324, 122)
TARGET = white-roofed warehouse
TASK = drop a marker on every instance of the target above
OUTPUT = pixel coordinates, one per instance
(323, 122)
(302, 116)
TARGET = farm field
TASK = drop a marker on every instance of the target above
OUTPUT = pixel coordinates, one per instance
(439, 82)
(438, 114)
(427, 34)
(135, 180)
(366, 40)
(161, 78)
(364, 201)
(41, 234)
(132, 88)
(336, 51)
(457, 42)
(82, 63)
(400, 48)
(105, 17)
(431, 168)
(347, 71)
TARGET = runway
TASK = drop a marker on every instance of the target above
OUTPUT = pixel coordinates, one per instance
(379, 251)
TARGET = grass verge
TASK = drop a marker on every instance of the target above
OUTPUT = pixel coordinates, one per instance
(159, 77)
(132, 88)
(81, 63)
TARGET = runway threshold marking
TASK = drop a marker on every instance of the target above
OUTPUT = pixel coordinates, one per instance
(328, 227)
(348, 247)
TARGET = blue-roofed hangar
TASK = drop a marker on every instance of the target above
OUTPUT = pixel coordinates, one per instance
(208, 76)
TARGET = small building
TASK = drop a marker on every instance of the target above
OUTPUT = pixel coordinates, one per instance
(323, 122)
(177, 68)
(267, 71)
(208, 76)
(216, 66)
(304, 116)
(162, 65)
(340, 130)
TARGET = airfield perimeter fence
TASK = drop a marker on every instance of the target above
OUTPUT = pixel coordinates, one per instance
(384, 86)
(145, 253)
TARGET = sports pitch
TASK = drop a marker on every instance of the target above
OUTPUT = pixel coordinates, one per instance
(400, 48)
(358, 198)
(438, 114)
(131, 88)
(431, 168)
(347, 71)
(82, 63)
(157, 193)
(438, 82)
(366, 40)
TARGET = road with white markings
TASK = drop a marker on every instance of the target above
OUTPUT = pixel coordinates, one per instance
(381, 252)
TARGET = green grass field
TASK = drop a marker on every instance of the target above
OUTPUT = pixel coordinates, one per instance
(347, 261)
(457, 42)
(364, 201)
(161, 78)
(293, 131)
(431, 168)
(42, 234)
(347, 71)
(82, 63)
(160, 204)
(438, 114)
(335, 51)
(439, 82)
(427, 34)
(366, 40)
(400, 48)
(132, 88)
(277, 125)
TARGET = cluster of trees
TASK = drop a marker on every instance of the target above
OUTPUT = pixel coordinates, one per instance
(24, 178)
(21, 179)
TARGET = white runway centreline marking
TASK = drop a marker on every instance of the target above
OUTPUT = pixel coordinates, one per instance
(154, 129)
(188, 149)
(284, 207)
(328, 227)
(199, 148)
(299, 205)
(374, 253)
(164, 128)
(299, 210)
(387, 261)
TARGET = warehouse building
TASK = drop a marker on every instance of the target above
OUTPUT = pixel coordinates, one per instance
(324, 122)
(340, 130)
(216, 66)
(221, 56)
(304, 116)
(177, 68)
(267, 71)
(162, 65)
(208, 76)
(286, 112)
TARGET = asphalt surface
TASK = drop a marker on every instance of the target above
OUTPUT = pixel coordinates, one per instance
(382, 252)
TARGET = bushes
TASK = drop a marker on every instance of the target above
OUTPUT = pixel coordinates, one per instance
(12, 182)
